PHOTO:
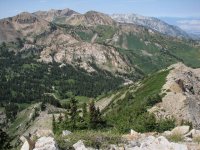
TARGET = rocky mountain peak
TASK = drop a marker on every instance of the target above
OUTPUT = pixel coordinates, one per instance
(25, 18)
(53, 13)
(99, 18)
(90, 18)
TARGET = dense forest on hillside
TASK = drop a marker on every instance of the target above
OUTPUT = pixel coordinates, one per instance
(26, 79)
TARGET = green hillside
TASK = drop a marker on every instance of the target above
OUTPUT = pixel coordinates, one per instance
(145, 51)
(130, 112)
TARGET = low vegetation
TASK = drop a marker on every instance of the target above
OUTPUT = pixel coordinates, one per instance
(131, 112)
(92, 138)
(176, 137)
(197, 139)
(79, 118)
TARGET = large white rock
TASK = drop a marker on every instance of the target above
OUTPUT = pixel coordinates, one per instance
(79, 145)
(46, 143)
(181, 130)
(44, 132)
(167, 133)
(160, 143)
(25, 146)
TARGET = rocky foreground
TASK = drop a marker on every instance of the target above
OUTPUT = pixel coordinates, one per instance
(180, 138)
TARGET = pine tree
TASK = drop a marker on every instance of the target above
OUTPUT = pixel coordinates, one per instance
(92, 115)
(84, 110)
(4, 140)
(73, 112)
(95, 117)
(98, 115)
(54, 124)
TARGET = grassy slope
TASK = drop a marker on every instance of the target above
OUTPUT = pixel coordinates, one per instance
(130, 111)
(132, 45)
(176, 50)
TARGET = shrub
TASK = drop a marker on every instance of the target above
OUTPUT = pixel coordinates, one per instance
(196, 139)
(165, 124)
(176, 137)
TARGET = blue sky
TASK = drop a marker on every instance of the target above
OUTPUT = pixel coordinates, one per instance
(156, 8)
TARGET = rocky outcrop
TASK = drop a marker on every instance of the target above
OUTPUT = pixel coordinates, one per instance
(46, 143)
(159, 143)
(79, 145)
(84, 54)
(90, 18)
(181, 130)
(149, 141)
(182, 96)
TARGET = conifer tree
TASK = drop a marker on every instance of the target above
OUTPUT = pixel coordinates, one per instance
(95, 117)
(73, 112)
(54, 124)
(92, 115)
(84, 110)
(4, 140)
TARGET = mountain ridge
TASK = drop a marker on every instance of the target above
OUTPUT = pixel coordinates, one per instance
(151, 22)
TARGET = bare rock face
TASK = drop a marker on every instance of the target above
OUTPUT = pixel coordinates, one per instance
(83, 54)
(52, 14)
(182, 97)
(23, 24)
(46, 143)
(90, 18)
(8, 31)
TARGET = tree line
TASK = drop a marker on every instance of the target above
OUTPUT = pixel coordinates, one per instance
(86, 117)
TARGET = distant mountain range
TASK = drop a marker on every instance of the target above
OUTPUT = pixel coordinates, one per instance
(152, 23)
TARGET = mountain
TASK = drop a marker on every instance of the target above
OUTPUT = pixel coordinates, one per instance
(94, 38)
(22, 25)
(90, 18)
(52, 14)
(152, 23)
(38, 32)
(94, 76)
(81, 40)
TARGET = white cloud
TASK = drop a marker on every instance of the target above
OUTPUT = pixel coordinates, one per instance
(189, 25)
